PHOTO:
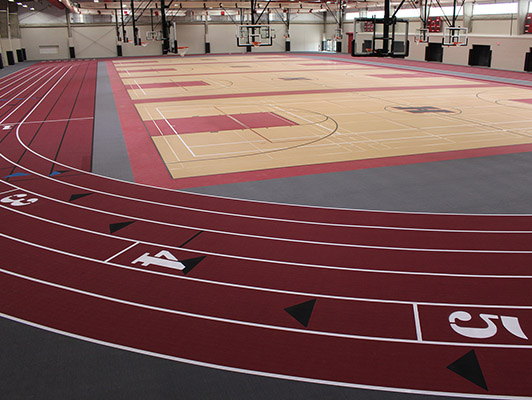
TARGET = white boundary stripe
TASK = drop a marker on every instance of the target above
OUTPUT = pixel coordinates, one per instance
(276, 203)
(228, 233)
(297, 264)
(256, 324)
(176, 133)
(258, 288)
(29, 96)
(257, 373)
(121, 252)
(243, 215)
(419, 336)
(31, 76)
(51, 120)
(240, 234)
(8, 191)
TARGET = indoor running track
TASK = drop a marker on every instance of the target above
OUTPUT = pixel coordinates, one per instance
(355, 298)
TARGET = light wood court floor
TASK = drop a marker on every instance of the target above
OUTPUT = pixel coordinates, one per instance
(257, 112)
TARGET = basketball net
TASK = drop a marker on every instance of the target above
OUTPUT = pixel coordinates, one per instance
(182, 50)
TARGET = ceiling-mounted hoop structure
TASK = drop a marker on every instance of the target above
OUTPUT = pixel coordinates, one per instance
(377, 43)
(455, 36)
(422, 36)
(254, 35)
(154, 35)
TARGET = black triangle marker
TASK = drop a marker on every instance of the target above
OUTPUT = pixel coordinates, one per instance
(302, 312)
(191, 263)
(119, 225)
(78, 196)
(468, 367)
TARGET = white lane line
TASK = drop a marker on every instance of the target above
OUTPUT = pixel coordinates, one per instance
(283, 204)
(418, 324)
(9, 191)
(257, 288)
(30, 78)
(26, 87)
(162, 134)
(52, 120)
(121, 252)
(136, 83)
(255, 372)
(176, 133)
(279, 239)
(263, 202)
(28, 97)
(240, 215)
(256, 324)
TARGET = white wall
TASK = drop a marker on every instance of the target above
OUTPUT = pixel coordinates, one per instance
(306, 37)
(193, 36)
(148, 48)
(89, 43)
(34, 38)
(306, 34)
(223, 39)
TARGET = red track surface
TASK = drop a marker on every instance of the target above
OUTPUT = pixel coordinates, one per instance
(385, 283)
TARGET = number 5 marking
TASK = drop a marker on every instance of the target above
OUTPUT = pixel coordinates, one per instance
(18, 200)
(511, 324)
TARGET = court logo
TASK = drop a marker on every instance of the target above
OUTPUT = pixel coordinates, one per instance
(424, 110)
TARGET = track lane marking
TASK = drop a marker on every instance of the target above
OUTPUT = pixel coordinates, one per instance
(254, 372)
(121, 252)
(296, 264)
(256, 324)
(259, 288)
(254, 216)
(247, 235)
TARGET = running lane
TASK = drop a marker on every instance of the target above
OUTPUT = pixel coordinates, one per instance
(337, 296)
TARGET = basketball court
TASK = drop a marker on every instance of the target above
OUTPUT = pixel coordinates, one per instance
(235, 114)
(169, 289)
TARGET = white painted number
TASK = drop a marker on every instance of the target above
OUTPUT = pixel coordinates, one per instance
(163, 259)
(18, 200)
(511, 324)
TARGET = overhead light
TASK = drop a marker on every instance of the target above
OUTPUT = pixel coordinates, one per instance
(96, 1)
(11, 1)
(19, 4)
(25, 5)
(32, 9)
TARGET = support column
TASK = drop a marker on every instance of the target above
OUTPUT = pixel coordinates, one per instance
(324, 32)
(118, 41)
(468, 16)
(522, 11)
(71, 48)
(9, 50)
(207, 41)
(287, 32)
(175, 37)
(166, 39)
(386, 27)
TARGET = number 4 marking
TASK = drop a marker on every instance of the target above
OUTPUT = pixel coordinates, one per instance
(511, 324)
(162, 259)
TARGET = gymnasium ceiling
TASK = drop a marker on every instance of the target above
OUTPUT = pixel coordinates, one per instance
(107, 6)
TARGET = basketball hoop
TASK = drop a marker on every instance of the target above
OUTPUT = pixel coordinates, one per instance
(256, 44)
(455, 36)
(182, 50)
